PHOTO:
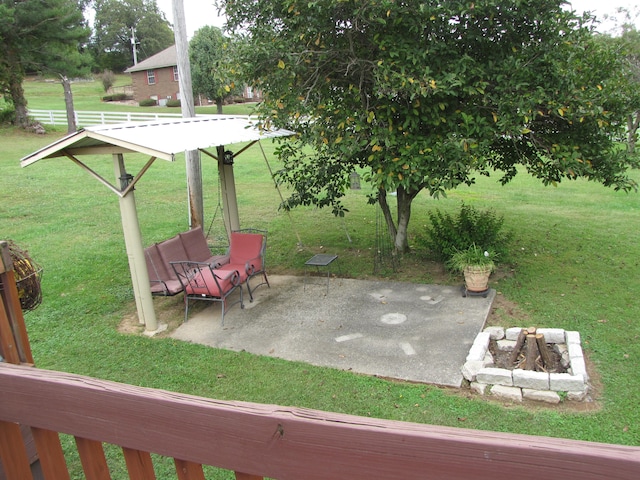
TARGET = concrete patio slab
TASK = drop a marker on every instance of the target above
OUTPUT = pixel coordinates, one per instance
(406, 331)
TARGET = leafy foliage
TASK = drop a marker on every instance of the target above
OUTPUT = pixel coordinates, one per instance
(628, 45)
(7, 113)
(430, 94)
(107, 78)
(116, 97)
(42, 37)
(449, 234)
(211, 73)
(473, 256)
(113, 24)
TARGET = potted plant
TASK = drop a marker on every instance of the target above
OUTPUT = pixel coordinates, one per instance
(476, 264)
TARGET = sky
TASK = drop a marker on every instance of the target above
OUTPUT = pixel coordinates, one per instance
(199, 13)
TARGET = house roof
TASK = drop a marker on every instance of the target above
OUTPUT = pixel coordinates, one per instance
(160, 139)
(166, 58)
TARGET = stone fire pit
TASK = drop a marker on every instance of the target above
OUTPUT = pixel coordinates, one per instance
(515, 384)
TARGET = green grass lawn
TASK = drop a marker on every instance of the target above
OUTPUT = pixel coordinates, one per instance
(87, 96)
(573, 264)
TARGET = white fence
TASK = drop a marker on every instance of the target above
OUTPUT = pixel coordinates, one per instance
(85, 119)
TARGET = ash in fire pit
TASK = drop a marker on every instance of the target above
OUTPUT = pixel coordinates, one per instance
(530, 363)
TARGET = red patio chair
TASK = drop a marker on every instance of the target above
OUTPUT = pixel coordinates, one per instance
(201, 282)
(197, 250)
(247, 250)
(163, 280)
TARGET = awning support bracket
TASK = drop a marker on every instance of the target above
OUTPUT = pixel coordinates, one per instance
(105, 182)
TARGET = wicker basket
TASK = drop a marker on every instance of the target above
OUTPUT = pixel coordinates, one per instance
(28, 275)
(476, 278)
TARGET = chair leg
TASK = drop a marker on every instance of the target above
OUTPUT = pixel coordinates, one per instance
(224, 302)
(186, 307)
(249, 290)
(266, 281)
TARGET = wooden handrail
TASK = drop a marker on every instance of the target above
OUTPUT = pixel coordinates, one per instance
(253, 440)
(274, 441)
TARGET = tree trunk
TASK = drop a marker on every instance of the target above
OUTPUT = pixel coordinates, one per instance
(68, 103)
(16, 91)
(398, 232)
(386, 211)
(404, 214)
(633, 122)
(219, 106)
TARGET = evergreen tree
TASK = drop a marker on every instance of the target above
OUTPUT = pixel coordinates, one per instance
(40, 37)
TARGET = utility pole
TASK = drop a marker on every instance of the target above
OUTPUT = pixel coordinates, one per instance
(133, 46)
(194, 168)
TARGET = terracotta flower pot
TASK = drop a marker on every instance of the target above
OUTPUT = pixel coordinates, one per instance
(476, 277)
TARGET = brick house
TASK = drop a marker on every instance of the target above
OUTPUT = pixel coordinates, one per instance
(156, 77)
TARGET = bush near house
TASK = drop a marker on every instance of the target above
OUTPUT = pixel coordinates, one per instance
(116, 97)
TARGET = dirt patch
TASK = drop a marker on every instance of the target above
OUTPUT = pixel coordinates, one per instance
(169, 311)
(506, 313)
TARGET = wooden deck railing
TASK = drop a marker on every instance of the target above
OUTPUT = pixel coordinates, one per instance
(267, 440)
(252, 440)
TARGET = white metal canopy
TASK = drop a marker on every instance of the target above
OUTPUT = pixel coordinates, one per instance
(158, 139)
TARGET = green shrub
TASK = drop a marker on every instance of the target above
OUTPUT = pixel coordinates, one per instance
(116, 97)
(449, 234)
(7, 113)
(148, 102)
(108, 78)
(173, 103)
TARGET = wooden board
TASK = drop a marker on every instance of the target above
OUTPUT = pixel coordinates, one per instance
(284, 442)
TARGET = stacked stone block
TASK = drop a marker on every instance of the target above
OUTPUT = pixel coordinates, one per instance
(516, 384)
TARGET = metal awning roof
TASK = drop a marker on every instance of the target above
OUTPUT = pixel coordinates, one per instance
(160, 138)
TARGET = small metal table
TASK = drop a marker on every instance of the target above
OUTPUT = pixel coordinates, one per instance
(319, 260)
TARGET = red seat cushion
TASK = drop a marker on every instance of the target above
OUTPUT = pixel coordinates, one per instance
(203, 283)
(246, 247)
(195, 245)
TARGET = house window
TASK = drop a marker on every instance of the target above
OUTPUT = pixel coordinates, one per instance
(151, 77)
(175, 74)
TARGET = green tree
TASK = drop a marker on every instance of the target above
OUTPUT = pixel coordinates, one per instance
(211, 73)
(625, 41)
(425, 95)
(38, 36)
(117, 22)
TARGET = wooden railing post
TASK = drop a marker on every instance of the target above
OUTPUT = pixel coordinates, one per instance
(246, 476)
(93, 460)
(50, 453)
(188, 470)
(139, 464)
(13, 453)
